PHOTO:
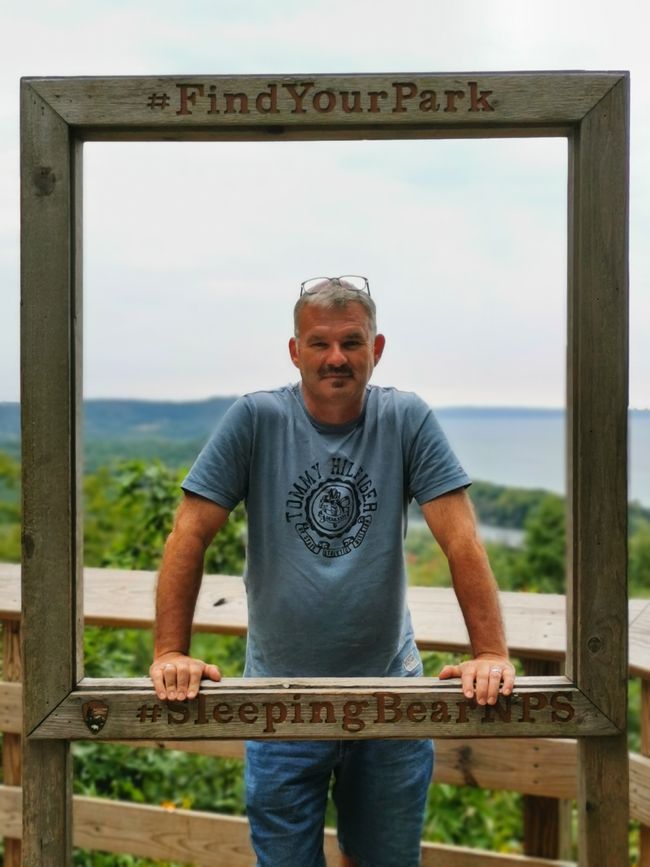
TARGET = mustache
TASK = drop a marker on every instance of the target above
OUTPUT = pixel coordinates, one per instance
(330, 370)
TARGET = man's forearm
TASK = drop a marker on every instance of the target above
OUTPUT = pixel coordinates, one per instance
(451, 520)
(178, 586)
(477, 593)
(175, 674)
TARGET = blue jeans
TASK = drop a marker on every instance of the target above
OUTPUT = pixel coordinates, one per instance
(380, 789)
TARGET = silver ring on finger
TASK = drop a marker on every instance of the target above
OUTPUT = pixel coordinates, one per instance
(496, 671)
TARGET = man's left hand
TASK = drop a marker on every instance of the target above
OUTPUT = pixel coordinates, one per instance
(484, 675)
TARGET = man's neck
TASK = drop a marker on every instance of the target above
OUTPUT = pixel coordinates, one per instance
(332, 412)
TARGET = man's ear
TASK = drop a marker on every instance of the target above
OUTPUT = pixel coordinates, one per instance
(380, 343)
(293, 350)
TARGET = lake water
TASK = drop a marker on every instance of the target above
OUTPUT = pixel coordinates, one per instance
(525, 449)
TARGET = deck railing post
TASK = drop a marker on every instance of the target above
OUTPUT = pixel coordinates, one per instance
(11, 746)
(644, 833)
(547, 821)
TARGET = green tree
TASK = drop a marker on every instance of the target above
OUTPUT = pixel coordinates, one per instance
(9, 508)
(130, 512)
(502, 506)
(639, 565)
(541, 569)
(9, 471)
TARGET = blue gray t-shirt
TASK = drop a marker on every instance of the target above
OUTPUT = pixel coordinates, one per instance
(327, 513)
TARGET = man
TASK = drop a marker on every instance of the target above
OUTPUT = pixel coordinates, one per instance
(327, 468)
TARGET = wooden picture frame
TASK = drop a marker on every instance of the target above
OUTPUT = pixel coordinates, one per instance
(591, 110)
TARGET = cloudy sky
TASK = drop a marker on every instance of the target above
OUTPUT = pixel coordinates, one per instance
(194, 253)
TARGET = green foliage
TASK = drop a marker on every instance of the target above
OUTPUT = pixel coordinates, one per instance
(639, 565)
(425, 563)
(159, 777)
(9, 509)
(434, 661)
(542, 567)
(505, 562)
(130, 512)
(638, 516)
(9, 542)
(537, 567)
(474, 817)
(84, 858)
(227, 651)
(504, 507)
(501, 506)
(100, 453)
(634, 714)
(9, 472)
(10, 446)
(112, 652)
(147, 495)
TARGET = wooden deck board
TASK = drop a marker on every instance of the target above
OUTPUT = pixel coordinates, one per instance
(209, 838)
(535, 622)
(535, 766)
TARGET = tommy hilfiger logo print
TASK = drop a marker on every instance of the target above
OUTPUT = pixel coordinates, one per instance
(331, 506)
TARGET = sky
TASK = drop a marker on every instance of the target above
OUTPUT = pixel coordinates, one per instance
(194, 253)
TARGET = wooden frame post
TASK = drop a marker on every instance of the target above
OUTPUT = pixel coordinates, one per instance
(57, 116)
(597, 400)
(51, 421)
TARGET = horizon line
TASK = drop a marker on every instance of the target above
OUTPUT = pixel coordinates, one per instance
(502, 407)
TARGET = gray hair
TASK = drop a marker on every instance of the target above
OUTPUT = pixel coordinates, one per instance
(336, 294)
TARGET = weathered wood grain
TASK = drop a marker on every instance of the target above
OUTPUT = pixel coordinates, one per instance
(536, 766)
(597, 381)
(317, 708)
(11, 812)
(47, 820)
(535, 622)
(461, 856)
(603, 801)
(547, 821)
(539, 766)
(11, 716)
(636, 784)
(207, 839)
(309, 105)
(51, 484)
(10, 594)
(49, 410)
(597, 406)
(544, 767)
(10, 723)
(640, 788)
(639, 642)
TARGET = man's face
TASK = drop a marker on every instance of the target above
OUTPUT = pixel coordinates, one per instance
(335, 354)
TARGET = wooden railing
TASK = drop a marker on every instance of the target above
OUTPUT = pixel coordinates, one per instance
(543, 770)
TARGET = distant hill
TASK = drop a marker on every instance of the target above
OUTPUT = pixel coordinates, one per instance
(111, 419)
(515, 447)
(136, 419)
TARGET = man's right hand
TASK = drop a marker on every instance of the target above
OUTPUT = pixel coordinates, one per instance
(177, 676)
